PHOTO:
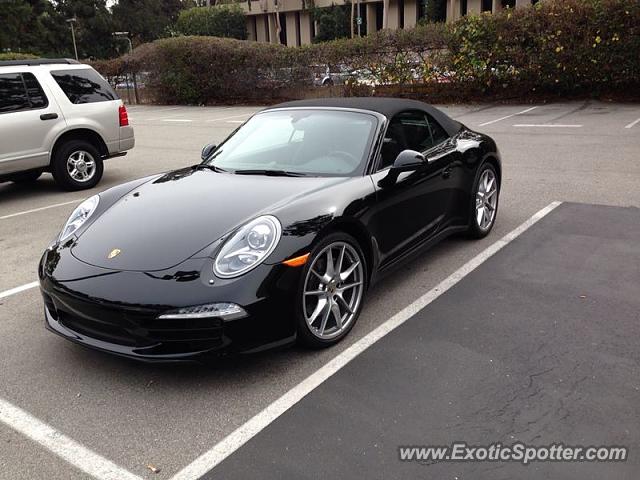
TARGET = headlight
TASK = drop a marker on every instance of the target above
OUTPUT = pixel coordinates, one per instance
(79, 216)
(247, 248)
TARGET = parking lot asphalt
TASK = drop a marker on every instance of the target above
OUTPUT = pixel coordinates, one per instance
(138, 415)
(526, 348)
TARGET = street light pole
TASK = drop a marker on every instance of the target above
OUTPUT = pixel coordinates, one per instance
(71, 21)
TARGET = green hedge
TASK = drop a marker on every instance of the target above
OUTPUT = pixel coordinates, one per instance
(16, 56)
(557, 47)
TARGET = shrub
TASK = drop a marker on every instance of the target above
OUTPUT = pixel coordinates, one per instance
(16, 56)
(557, 47)
(219, 21)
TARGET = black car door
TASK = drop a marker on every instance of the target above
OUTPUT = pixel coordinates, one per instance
(411, 209)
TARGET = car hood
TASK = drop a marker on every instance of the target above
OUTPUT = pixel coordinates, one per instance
(165, 221)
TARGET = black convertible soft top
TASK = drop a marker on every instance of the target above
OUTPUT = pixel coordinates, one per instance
(384, 105)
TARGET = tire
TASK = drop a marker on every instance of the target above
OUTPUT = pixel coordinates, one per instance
(62, 165)
(308, 305)
(480, 227)
(26, 177)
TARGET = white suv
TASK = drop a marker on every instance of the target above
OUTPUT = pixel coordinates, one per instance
(59, 116)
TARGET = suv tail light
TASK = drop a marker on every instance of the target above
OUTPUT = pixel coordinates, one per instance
(123, 116)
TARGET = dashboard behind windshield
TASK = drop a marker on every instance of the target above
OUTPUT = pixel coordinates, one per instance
(306, 142)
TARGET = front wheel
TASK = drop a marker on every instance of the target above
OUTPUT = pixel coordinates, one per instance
(484, 200)
(333, 287)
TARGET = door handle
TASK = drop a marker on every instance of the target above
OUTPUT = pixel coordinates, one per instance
(446, 173)
(48, 116)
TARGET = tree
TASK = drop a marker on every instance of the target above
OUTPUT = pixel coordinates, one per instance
(219, 21)
(436, 10)
(93, 28)
(333, 22)
(147, 20)
(21, 29)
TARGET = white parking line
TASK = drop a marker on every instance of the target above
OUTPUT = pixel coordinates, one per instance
(507, 116)
(546, 125)
(11, 215)
(230, 117)
(21, 288)
(69, 450)
(235, 121)
(252, 427)
(155, 111)
(632, 123)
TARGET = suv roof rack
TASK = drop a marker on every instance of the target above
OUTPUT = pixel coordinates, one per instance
(37, 61)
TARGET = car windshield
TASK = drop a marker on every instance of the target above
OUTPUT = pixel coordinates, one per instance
(299, 142)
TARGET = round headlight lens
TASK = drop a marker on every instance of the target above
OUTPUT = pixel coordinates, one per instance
(79, 216)
(248, 247)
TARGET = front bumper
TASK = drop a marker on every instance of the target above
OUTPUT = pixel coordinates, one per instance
(117, 311)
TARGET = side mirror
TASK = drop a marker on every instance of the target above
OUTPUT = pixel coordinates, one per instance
(207, 150)
(408, 160)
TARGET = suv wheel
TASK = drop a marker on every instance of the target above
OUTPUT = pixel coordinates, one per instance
(26, 177)
(77, 165)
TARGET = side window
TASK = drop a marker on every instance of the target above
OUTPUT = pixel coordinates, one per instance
(416, 130)
(13, 95)
(83, 86)
(37, 98)
(437, 132)
(406, 131)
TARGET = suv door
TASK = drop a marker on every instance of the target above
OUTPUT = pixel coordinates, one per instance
(27, 118)
(412, 209)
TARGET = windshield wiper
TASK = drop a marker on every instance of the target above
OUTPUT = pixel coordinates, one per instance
(270, 173)
(206, 166)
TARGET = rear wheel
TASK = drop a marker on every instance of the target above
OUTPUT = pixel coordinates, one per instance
(334, 283)
(484, 199)
(77, 165)
(26, 177)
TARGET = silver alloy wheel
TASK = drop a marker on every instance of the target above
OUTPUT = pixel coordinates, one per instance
(81, 166)
(333, 290)
(486, 200)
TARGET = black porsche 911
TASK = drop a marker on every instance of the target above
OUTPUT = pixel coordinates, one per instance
(275, 236)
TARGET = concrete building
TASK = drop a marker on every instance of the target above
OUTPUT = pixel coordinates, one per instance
(289, 21)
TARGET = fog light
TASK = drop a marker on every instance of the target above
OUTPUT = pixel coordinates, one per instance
(224, 310)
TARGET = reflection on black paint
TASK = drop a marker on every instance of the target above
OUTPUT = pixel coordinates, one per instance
(306, 227)
(178, 276)
(176, 175)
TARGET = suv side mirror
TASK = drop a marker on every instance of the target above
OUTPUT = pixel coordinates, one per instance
(408, 160)
(207, 150)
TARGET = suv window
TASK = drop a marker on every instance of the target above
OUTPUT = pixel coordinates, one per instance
(20, 91)
(83, 86)
(13, 95)
(37, 98)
